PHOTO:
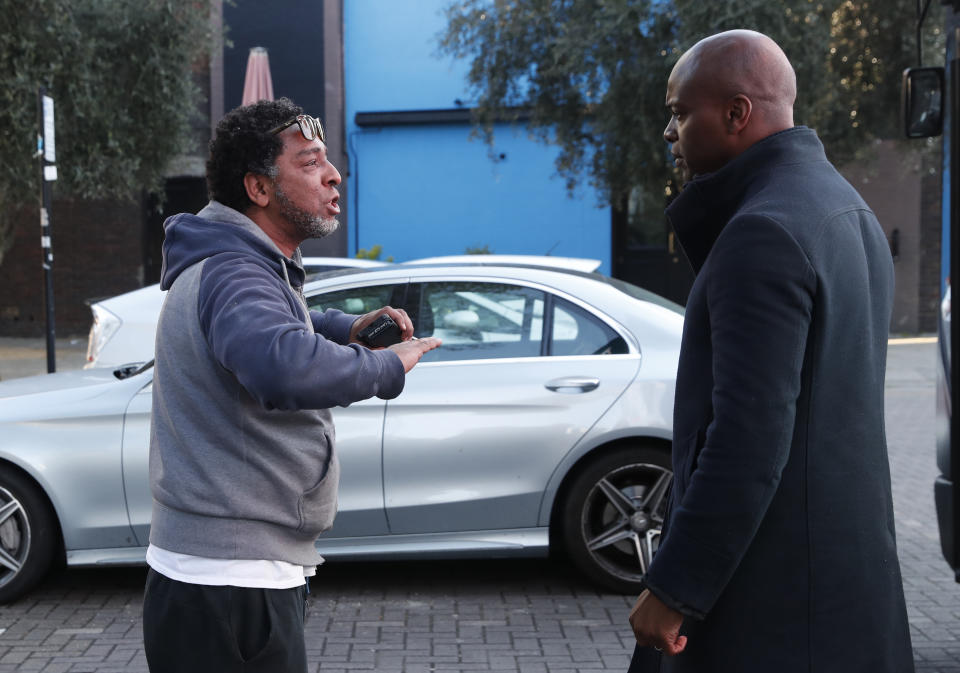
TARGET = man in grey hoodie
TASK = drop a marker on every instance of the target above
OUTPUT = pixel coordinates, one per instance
(242, 464)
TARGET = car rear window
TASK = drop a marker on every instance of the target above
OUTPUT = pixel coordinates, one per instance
(641, 294)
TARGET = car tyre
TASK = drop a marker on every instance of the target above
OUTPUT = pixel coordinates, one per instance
(613, 513)
(28, 535)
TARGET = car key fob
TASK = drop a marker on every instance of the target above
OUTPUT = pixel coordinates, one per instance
(381, 332)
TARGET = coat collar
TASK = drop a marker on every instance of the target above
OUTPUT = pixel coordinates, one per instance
(707, 202)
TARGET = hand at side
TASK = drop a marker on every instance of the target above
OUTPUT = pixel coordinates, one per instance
(657, 625)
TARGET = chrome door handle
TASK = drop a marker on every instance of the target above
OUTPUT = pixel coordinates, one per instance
(573, 384)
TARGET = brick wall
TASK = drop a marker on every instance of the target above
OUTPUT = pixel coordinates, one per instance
(889, 180)
(97, 253)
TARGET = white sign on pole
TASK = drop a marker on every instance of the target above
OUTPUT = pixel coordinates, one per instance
(49, 147)
(49, 173)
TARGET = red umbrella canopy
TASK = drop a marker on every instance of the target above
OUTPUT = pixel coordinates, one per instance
(258, 84)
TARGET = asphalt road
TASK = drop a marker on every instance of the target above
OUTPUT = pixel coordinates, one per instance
(499, 615)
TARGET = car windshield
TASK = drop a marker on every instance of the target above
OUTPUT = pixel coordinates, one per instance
(341, 271)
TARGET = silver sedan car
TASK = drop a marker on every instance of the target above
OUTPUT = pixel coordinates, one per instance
(542, 423)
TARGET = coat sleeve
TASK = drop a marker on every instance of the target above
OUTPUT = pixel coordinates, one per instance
(256, 331)
(759, 296)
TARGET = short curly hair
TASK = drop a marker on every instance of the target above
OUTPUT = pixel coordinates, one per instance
(243, 145)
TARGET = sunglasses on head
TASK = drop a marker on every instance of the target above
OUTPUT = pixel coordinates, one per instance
(310, 127)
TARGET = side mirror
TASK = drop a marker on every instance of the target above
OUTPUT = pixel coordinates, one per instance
(922, 98)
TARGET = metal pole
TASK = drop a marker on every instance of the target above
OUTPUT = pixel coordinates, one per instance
(954, 186)
(48, 173)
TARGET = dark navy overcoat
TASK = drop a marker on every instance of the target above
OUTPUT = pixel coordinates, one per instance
(780, 545)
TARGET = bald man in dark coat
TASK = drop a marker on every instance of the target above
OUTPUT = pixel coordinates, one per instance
(779, 554)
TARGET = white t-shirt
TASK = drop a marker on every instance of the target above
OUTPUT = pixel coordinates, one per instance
(227, 572)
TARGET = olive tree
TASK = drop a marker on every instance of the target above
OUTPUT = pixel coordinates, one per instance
(121, 75)
(589, 75)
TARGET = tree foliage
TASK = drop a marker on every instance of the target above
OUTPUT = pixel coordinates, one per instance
(591, 74)
(121, 75)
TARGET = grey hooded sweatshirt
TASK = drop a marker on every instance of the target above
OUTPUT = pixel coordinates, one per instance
(242, 462)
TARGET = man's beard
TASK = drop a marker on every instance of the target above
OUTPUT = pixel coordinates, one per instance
(308, 225)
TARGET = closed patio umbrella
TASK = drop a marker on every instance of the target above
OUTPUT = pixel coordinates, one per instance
(258, 84)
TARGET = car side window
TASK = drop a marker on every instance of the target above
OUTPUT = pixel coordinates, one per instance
(579, 332)
(478, 320)
(358, 300)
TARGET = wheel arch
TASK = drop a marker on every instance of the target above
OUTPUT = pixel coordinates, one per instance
(552, 507)
(7, 464)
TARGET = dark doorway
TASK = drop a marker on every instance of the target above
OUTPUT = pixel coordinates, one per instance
(183, 195)
(292, 33)
(645, 250)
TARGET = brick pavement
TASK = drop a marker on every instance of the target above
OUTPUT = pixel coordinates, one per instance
(933, 598)
(522, 616)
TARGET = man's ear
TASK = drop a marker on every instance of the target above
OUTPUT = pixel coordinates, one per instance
(737, 114)
(257, 189)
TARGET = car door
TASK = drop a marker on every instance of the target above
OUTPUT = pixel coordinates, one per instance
(359, 430)
(484, 420)
(359, 427)
(136, 461)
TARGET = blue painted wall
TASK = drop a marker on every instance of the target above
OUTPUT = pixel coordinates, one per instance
(430, 190)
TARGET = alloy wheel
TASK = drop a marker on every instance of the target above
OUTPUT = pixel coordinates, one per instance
(622, 517)
(14, 536)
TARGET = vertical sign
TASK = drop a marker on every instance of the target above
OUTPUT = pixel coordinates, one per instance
(49, 145)
(47, 154)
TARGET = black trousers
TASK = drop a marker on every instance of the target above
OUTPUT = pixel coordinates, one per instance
(193, 628)
(645, 660)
